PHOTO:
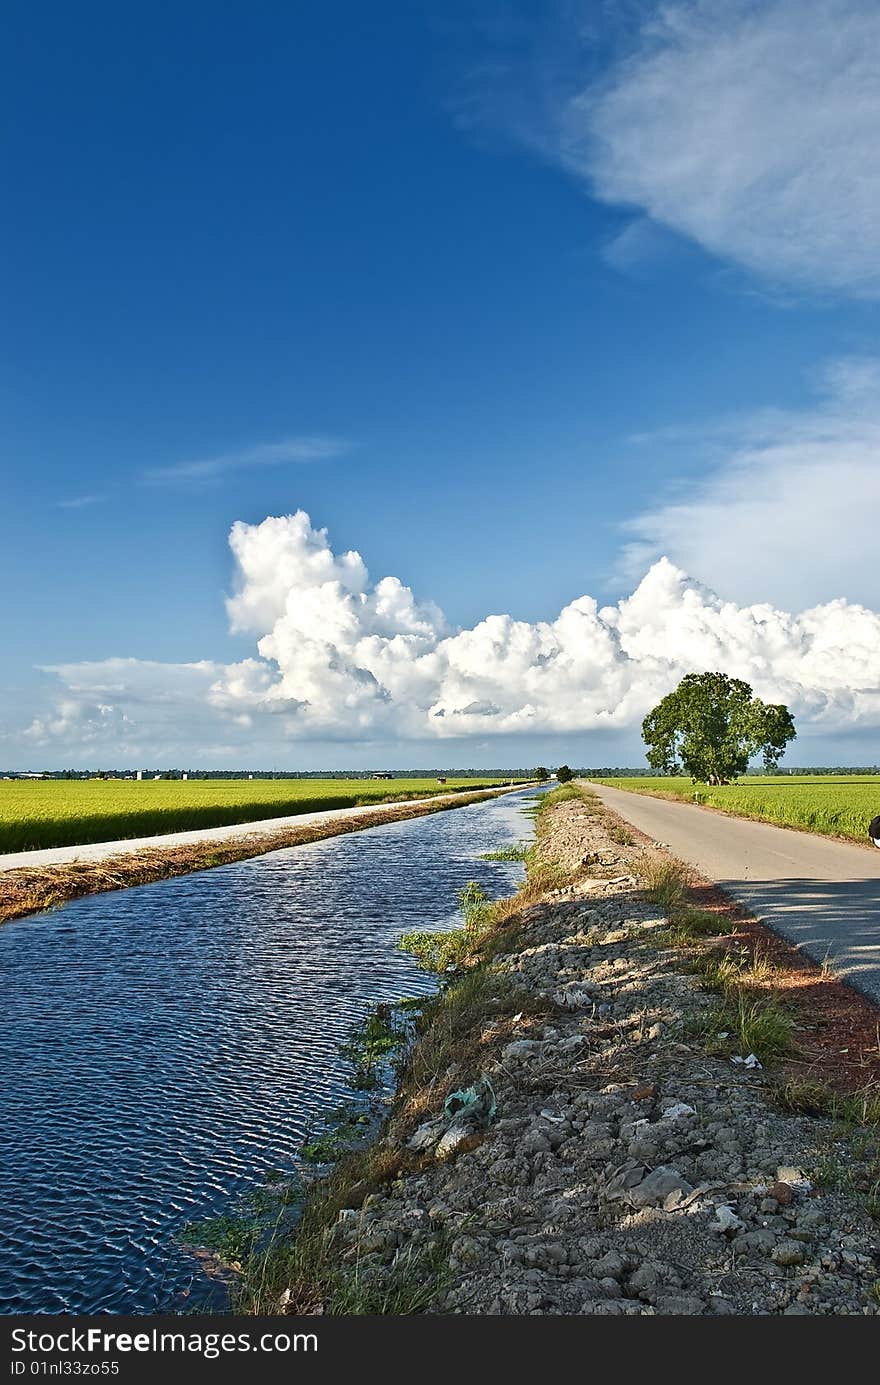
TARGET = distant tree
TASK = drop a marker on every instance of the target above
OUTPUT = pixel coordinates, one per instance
(541, 773)
(712, 725)
(564, 774)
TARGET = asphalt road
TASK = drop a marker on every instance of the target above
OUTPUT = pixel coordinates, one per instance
(821, 894)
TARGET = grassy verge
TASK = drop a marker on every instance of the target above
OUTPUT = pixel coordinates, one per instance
(833, 806)
(747, 1018)
(750, 1014)
(851, 1156)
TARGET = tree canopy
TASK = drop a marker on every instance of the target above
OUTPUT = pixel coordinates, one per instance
(712, 726)
(564, 774)
(541, 773)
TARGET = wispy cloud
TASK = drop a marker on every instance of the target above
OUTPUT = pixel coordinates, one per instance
(298, 449)
(748, 127)
(80, 502)
(751, 129)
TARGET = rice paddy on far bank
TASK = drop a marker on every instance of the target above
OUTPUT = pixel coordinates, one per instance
(40, 813)
(831, 804)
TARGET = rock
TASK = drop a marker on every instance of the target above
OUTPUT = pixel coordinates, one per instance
(674, 1199)
(534, 1142)
(427, 1134)
(795, 1178)
(610, 1266)
(521, 1049)
(459, 1137)
(623, 1180)
(656, 1188)
(645, 1092)
(726, 1219)
(787, 1253)
(677, 1112)
(646, 1279)
(782, 1192)
(680, 1305)
(574, 995)
(610, 1287)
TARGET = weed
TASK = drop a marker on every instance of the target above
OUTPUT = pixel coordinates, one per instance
(519, 852)
(852, 1109)
(665, 883)
(764, 1028)
(346, 1127)
(741, 1025)
(382, 1035)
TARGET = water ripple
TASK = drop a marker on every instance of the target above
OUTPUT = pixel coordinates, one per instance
(165, 1047)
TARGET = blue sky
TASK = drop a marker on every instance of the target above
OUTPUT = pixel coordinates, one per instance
(464, 284)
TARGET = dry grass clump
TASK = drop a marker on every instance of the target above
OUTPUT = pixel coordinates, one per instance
(665, 883)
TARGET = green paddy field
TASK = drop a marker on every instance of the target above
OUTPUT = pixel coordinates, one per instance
(56, 812)
(835, 805)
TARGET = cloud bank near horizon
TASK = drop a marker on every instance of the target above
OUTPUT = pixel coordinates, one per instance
(342, 658)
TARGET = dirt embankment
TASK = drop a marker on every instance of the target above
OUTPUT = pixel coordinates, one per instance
(27, 890)
(633, 1135)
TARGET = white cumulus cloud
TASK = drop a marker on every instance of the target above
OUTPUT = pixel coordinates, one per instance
(339, 657)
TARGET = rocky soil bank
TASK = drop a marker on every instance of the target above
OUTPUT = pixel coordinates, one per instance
(608, 1163)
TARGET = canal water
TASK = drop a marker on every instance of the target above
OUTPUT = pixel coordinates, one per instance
(164, 1048)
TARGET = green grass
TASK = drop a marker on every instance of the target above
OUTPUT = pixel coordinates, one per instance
(46, 813)
(831, 804)
(743, 1024)
(508, 853)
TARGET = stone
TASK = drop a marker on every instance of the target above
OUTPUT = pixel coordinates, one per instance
(610, 1266)
(782, 1192)
(796, 1179)
(534, 1142)
(645, 1092)
(677, 1112)
(787, 1253)
(520, 1049)
(680, 1305)
(459, 1138)
(645, 1280)
(427, 1134)
(654, 1189)
(726, 1220)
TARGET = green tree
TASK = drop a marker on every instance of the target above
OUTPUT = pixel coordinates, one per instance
(711, 726)
(541, 773)
(564, 774)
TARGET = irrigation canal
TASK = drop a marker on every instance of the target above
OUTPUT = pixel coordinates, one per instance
(165, 1048)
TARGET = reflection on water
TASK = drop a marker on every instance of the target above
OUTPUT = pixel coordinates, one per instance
(165, 1047)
